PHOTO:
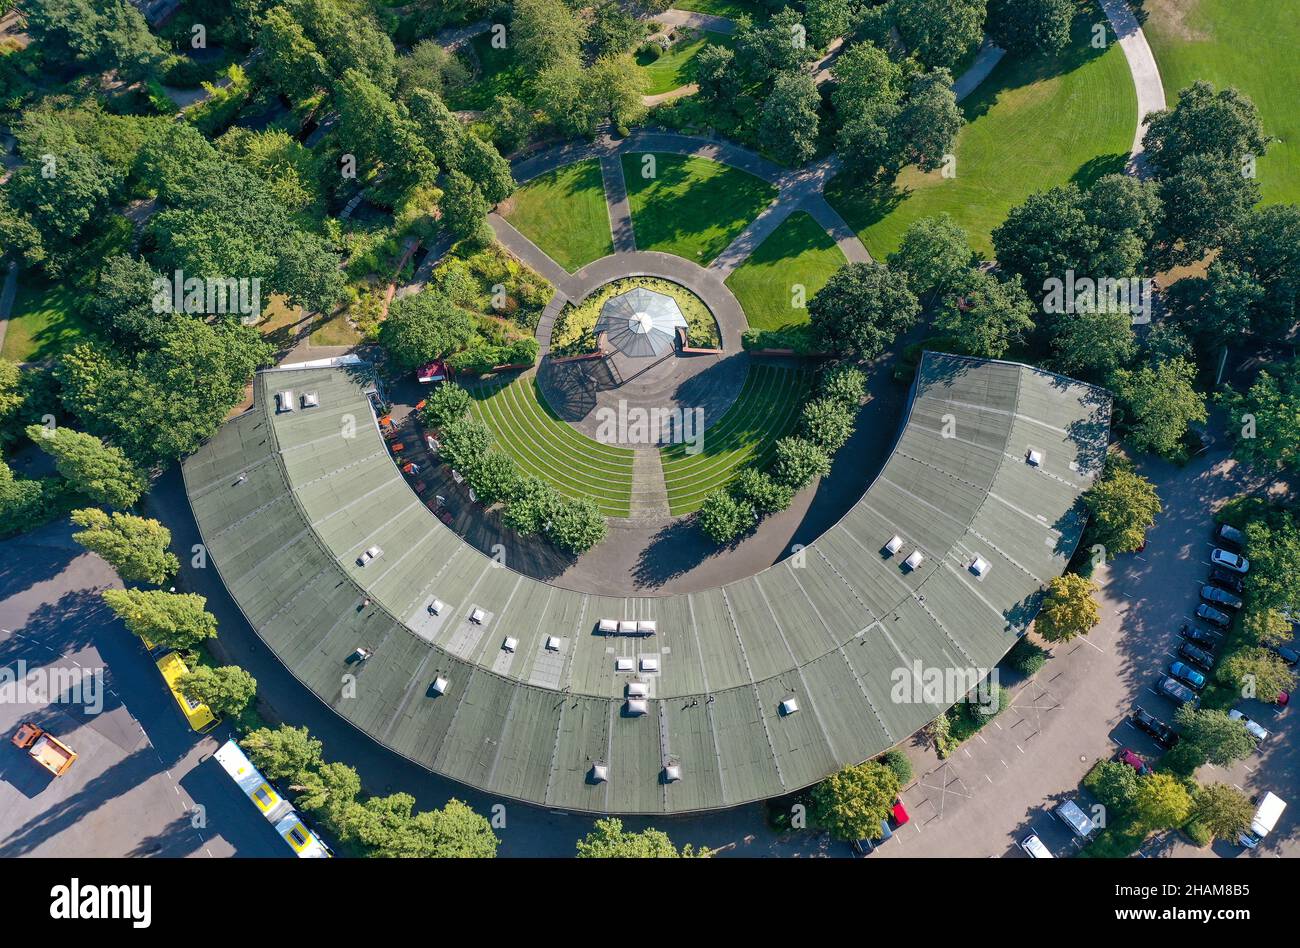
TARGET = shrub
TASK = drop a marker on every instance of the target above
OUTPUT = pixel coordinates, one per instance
(723, 518)
(761, 491)
(575, 525)
(449, 402)
(897, 761)
(827, 423)
(1026, 657)
(844, 384)
(797, 461)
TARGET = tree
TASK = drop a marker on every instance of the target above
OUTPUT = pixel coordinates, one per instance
(843, 383)
(134, 546)
(1205, 201)
(227, 690)
(283, 753)
(1162, 801)
(1158, 405)
(935, 254)
(449, 402)
(1210, 736)
(1115, 784)
(484, 165)
(122, 306)
(27, 503)
(761, 491)
(429, 67)
(576, 525)
(766, 50)
(788, 125)
(1093, 345)
(1267, 246)
(867, 95)
(544, 32)
(1223, 810)
(608, 840)
(465, 444)
(1266, 418)
(1122, 506)
(326, 788)
(613, 29)
(1267, 627)
(100, 471)
(717, 75)
(464, 209)
(163, 619)
(1025, 27)
(861, 309)
(531, 506)
(826, 423)
(1218, 307)
(1274, 578)
(1224, 125)
(1257, 673)
(63, 193)
(423, 327)
(827, 19)
(611, 90)
(1068, 608)
(796, 462)
(853, 802)
(512, 122)
(986, 316)
(382, 134)
(105, 34)
(723, 518)
(457, 832)
(897, 761)
(940, 32)
(290, 61)
(924, 129)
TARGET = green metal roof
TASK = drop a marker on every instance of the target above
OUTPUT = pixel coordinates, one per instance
(833, 626)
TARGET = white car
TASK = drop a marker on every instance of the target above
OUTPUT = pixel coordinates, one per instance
(1034, 846)
(1233, 561)
(1257, 732)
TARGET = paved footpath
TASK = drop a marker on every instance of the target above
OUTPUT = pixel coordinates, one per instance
(1142, 66)
(620, 210)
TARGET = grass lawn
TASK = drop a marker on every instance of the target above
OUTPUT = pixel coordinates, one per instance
(335, 331)
(498, 75)
(676, 67)
(564, 213)
(728, 8)
(44, 321)
(767, 409)
(692, 207)
(1250, 44)
(798, 253)
(1032, 124)
(524, 427)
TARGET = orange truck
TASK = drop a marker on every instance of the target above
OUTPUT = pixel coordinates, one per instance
(44, 748)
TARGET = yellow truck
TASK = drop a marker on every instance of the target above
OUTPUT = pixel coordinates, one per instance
(198, 714)
(44, 748)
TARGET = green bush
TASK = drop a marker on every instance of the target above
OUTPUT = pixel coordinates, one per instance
(1026, 657)
(897, 761)
(1199, 834)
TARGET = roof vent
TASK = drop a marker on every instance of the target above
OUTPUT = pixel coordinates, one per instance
(552, 643)
(477, 616)
(894, 545)
(673, 773)
(436, 607)
(915, 559)
(790, 705)
(637, 689)
(979, 566)
(310, 400)
(284, 400)
(646, 626)
(637, 706)
(440, 685)
(599, 772)
(649, 664)
(1035, 458)
(608, 626)
(510, 644)
(624, 664)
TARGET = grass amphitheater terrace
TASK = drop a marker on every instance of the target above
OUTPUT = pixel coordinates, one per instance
(741, 692)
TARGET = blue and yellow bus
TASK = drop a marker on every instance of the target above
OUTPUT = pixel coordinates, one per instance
(278, 811)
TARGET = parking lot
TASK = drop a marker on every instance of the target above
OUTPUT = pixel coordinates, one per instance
(141, 784)
(1002, 785)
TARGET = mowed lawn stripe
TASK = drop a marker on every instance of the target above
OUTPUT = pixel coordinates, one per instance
(798, 253)
(564, 212)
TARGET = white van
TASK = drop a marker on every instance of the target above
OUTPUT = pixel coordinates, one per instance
(1073, 817)
(1267, 813)
(1034, 846)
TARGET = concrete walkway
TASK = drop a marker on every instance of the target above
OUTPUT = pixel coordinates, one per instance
(696, 21)
(988, 57)
(1142, 66)
(620, 210)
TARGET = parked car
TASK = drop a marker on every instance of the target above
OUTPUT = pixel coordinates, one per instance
(1069, 813)
(1035, 848)
(1213, 616)
(1197, 656)
(1229, 537)
(1220, 597)
(1286, 653)
(897, 817)
(1229, 560)
(1205, 638)
(1126, 756)
(1256, 731)
(1176, 691)
(1162, 733)
(1187, 675)
(1227, 579)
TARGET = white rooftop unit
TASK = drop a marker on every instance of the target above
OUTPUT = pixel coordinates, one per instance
(1035, 457)
(510, 644)
(440, 685)
(790, 705)
(624, 664)
(477, 616)
(599, 772)
(365, 558)
(627, 628)
(637, 706)
(436, 607)
(284, 400)
(673, 773)
(649, 664)
(979, 566)
(637, 689)
(552, 643)
(915, 559)
(894, 545)
(310, 400)
(608, 626)
(646, 626)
